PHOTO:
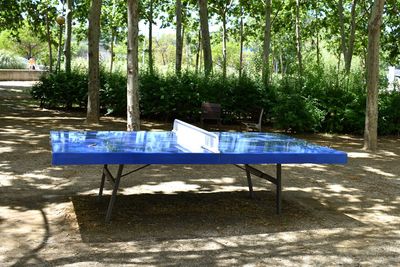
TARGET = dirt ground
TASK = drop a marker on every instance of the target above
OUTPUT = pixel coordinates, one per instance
(346, 215)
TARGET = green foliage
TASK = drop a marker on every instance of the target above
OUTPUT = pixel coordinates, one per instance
(62, 90)
(169, 96)
(9, 60)
(324, 102)
(389, 113)
(113, 93)
(296, 112)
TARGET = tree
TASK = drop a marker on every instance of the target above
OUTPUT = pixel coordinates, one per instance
(205, 37)
(113, 25)
(391, 35)
(68, 36)
(241, 40)
(222, 8)
(93, 106)
(371, 114)
(298, 39)
(10, 14)
(179, 37)
(150, 10)
(267, 42)
(49, 41)
(133, 112)
(347, 47)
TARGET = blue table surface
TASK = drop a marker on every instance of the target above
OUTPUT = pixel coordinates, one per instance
(147, 147)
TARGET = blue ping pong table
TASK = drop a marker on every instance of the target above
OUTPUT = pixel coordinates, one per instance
(186, 144)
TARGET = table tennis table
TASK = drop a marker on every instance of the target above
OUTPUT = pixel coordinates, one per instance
(186, 144)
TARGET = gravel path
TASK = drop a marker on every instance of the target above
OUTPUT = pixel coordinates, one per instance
(189, 215)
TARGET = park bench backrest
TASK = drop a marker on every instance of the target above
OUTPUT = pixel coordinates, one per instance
(210, 111)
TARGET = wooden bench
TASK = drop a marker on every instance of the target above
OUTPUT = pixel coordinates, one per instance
(210, 111)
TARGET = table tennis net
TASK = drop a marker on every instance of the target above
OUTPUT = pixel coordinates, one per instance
(194, 139)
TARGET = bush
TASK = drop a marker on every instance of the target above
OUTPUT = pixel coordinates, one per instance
(320, 102)
(294, 112)
(389, 113)
(62, 90)
(112, 93)
(9, 60)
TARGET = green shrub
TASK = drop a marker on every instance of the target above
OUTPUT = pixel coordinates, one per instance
(294, 112)
(389, 113)
(62, 90)
(321, 102)
(9, 60)
(113, 93)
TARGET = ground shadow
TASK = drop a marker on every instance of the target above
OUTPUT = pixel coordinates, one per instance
(199, 215)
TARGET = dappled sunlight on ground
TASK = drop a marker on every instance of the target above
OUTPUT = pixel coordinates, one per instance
(190, 215)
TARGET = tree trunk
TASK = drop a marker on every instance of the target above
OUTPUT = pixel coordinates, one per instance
(224, 38)
(350, 50)
(151, 63)
(58, 66)
(112, 50)
(188, 52)
(49, 42)
(347, 48)
(205, 34)
(267, 42)
(318, 52)
(198, 52)
(342, 30)
(241, 43)
(298, 39)
(93, 106)
(68, 35)
(133, 111)
(179, 37)
(371, 114)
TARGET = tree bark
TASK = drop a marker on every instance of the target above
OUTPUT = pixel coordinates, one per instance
(179, 37)
(198, 52)
(68, 36)
(133, 111)
(347, 48)
(112, 50)
(49, 42)
(205, 37)
(59, 52)
(371, 114)
(241, 43)
(318, 50)
(151, 63)
(93, 106)
(352, 37)
(267, 42)
(298, 39)
(224, 38)
(342, 30)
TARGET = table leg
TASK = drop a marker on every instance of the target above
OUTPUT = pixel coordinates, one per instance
(103, 178)
(249, 182)
(278, 188)
(114, 193)
(275, 180)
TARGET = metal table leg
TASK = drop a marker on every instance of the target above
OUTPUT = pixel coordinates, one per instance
(103, 178)
(114, 193)
(275, 180)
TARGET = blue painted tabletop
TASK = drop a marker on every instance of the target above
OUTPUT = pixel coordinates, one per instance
(148, 147)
